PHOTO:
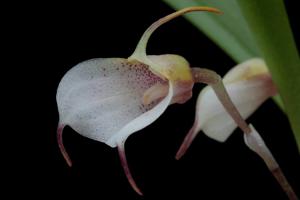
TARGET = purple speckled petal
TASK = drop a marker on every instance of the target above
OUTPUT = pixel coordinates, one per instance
(100, 96)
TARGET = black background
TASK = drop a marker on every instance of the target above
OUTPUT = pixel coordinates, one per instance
(49, 38)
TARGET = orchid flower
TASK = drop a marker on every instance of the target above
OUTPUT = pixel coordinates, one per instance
(108, 99)
(248, 84)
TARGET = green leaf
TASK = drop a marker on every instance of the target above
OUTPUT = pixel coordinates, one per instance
(273, 36)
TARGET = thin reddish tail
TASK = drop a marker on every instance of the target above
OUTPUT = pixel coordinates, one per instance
(124, 164)
(62, 149)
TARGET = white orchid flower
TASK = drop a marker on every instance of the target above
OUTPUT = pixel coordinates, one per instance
(108, 99)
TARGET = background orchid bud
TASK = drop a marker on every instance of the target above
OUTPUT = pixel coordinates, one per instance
(248, 84)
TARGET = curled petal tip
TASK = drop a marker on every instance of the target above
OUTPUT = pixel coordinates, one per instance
(215, 10)
(179, 154)
(128, 174)
(137, 190)
(200, 8)
(61, 145)
(69, 162)
(182, 149)
(186, 143)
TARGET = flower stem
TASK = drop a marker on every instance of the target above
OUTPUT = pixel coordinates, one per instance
(255, 142)
(215, 81)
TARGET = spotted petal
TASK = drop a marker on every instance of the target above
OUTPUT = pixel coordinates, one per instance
(99, 98)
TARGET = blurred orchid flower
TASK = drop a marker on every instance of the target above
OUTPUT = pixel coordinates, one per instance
(248, 84)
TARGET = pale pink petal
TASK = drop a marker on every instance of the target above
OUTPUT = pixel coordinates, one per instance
(103, 99)
(99, 97)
